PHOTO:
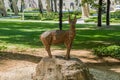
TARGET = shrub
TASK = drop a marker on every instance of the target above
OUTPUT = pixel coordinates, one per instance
(113, 51)
(115, 15)
(2, 48)
(93, 12)
(49, 16)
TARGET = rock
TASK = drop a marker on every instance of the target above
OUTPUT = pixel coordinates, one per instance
(61, 69)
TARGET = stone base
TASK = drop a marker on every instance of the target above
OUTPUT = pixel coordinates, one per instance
(61, 69)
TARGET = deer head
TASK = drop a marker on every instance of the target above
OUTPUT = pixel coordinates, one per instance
(72, 22)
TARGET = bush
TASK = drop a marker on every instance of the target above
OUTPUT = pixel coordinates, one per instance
(93, 12)
(113, 51)
(49, 16)
(2, 48)
(115, 15)
(115, 18)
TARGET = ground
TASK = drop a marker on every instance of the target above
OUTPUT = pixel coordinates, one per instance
(15, 63)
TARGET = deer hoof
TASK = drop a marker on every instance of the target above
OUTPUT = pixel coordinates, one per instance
(67, 57)
(50, 56)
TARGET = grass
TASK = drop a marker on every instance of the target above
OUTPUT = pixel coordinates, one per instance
(26, 34)
(94, 19)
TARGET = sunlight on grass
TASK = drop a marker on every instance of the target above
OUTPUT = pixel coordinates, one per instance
(27, 34)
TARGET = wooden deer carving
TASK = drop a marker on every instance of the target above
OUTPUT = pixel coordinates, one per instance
(60, 36)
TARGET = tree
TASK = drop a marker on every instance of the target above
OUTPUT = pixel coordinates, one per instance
(22, 5)
(108, 14)
(60, 13)
(51, 5)
(11, 6)
(85, 9)
(14, 7)
(32, 4)
(2, 8)
(55, 5)
(100, 13)
(48, 6)
(77, 3)
(40, 6)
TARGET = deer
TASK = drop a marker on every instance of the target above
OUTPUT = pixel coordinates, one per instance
(65, 37)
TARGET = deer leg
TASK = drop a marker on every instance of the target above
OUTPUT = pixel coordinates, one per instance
(47, 46)
(68, 53)
(68, 46)
(48, 51)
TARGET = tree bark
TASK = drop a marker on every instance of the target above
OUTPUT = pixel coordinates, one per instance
(108, 14)
(14, 7)
(2, 8)
(40, 6)
(32, 4)
(55, 5)
(85, 10)
(99, 24)
(52, 5)
(22, 5)
(48, 6)
(11, 6)
(60, 13)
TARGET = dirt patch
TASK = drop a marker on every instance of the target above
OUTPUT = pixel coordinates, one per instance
(22, 64)
(17, 70)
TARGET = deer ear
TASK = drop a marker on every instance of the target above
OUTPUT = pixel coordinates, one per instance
(75, 19)
(69, 19)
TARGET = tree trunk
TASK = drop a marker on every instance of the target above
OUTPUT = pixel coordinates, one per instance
(60, 13)
(108, 14)
(52, 5)
(11, 6)
(48, 6)
(100, 14)
(22, 5)
(2, 8)
(32, 4)
(61, 69)
(40, 6)
(14, 6)
(85, 10)
(55, 5)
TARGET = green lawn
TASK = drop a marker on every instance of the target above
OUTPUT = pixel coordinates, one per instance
(26, 34)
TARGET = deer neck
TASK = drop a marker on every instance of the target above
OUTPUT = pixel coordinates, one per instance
(72, 29)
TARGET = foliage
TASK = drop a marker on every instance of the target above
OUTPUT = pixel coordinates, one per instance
(94, 19)
(93, 12)
(113, 51)
(50, 16)
(115, 18)
(2, 48)
(115, 15)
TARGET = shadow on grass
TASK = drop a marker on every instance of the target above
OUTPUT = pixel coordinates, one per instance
(27, 34)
